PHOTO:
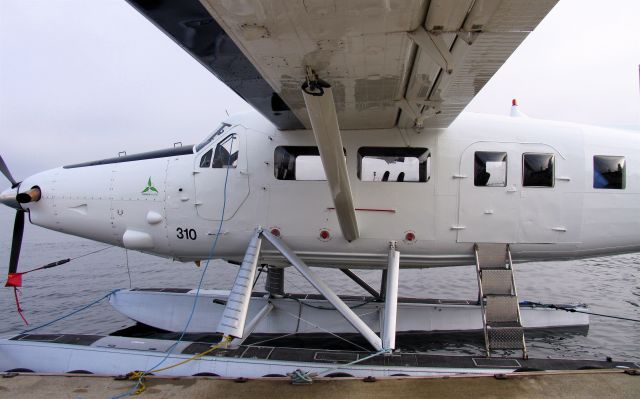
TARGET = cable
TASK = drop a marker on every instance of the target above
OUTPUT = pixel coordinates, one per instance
(63, 261)
(257, 277)
(93, 252)
(72, 313)
(333, 308)
(574, 310)
(355, 361)
(126, 256)
(299, 377)
(323, 329)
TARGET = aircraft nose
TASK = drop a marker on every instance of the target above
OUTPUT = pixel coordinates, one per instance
(8, 197)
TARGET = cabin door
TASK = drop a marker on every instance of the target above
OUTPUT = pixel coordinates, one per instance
(225, 160)
(488, 194)
(508, 194)
(544, 204)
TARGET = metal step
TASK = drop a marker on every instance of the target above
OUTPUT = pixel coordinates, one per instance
(492, 256)
(501, 308)
(496, 281)
(498, 298)
(506, 337)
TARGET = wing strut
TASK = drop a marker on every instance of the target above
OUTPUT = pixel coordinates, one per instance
(324, 122)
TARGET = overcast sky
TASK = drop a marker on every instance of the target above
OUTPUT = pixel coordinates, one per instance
(82, 80)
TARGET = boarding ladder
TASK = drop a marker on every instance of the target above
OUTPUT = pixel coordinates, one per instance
(498, 299)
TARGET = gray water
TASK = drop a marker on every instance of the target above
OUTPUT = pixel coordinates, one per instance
(608, 285)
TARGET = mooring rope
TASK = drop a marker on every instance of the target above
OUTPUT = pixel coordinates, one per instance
(574, 310)
(72, 313)
(299, 377)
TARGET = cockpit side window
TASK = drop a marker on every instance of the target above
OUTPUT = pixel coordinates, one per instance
(490, 169)
(226, 154)
(205, 161)
(609, 172)
(221, 129)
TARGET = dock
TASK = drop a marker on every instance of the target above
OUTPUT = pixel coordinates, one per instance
(566, 384)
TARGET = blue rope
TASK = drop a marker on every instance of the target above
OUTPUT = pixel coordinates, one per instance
(195, 299)
(71, 314)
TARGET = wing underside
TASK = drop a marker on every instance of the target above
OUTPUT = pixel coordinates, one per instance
(390, 62)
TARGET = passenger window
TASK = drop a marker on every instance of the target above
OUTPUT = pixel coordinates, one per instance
(226, 155)
(537, 170)
(609, 172)
(205, 161)
(394, 164)
(490, 169)
(298, 163)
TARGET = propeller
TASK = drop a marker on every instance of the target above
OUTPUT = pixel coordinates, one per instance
(9, 198)
(14, 279)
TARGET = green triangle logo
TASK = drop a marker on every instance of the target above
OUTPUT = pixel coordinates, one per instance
(149, 187)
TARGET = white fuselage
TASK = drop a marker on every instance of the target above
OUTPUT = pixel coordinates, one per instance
(446, 214)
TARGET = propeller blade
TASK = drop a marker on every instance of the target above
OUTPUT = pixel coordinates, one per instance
(16, 244)
(6, 173)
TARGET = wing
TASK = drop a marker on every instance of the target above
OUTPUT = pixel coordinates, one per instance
(390, 62)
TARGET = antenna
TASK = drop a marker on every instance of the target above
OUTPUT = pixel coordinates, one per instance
(515, 110)
(227, 111)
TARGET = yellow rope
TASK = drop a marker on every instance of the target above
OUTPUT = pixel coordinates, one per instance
(139, 375)
(224, 341)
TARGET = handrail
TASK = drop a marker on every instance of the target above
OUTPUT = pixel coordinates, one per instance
(481, 301)
(525, 355)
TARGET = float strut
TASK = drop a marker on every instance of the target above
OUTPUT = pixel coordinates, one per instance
(324, 289)
(248, 330)
(361, 283)
(391, 298)
(235, 312)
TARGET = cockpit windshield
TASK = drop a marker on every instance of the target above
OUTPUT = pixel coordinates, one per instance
(212, 136)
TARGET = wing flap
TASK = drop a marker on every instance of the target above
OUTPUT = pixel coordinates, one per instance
(488, 35)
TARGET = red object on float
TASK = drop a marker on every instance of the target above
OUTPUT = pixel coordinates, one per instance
(410, 236)
(14, 280)
(324, 234)
(275, 232)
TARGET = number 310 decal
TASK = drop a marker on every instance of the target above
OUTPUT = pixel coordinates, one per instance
(186, 234)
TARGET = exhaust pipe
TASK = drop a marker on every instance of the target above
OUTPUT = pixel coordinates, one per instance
(32, 195)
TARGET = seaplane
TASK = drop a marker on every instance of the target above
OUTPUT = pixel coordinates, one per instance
(358, 156)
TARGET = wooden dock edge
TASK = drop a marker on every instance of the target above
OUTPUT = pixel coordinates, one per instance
(614, 383)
